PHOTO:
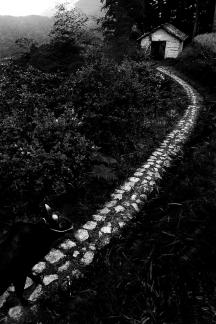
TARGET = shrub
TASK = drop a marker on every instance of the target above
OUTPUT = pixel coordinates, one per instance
(198, 60)
(73, 139)
(42, 155)
(114, 102)
(208, 41)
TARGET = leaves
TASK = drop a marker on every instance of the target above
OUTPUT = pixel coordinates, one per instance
(101, 172)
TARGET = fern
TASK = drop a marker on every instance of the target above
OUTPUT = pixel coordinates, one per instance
(102, 172)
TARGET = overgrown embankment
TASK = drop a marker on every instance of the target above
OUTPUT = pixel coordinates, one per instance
(198, 61)
(162, 270)
(70, 140)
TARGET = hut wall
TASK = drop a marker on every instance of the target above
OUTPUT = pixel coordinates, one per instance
(173, 45)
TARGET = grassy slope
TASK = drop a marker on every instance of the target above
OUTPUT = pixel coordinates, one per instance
(162, 270)
(82, 206)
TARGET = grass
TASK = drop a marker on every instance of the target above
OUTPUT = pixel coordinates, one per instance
(162, 269)
(79, 205)
(198, 61)
(207, 40)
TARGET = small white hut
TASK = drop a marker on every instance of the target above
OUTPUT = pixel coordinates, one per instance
(165, 41)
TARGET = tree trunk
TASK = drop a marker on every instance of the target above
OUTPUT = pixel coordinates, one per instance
(196, 21)
(214, 20)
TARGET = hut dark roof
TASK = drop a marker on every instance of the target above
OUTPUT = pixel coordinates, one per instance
(172, 30)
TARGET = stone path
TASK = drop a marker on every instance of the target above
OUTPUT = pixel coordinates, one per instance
(67, 262)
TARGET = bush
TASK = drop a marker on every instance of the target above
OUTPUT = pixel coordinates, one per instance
(72, 139)
(115, 102)
(198, 61)
(208, 41)
(42, 155)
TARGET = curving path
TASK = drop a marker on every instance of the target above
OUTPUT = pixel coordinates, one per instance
(67, 262)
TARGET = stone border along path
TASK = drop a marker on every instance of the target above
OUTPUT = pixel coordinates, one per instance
(66, 262)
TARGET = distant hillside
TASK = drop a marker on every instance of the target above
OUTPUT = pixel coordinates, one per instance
(90, 7)
(12, 28)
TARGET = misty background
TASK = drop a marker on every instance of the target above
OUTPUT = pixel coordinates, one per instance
(37, 27)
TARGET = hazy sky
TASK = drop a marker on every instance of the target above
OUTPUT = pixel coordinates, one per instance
(28, 7)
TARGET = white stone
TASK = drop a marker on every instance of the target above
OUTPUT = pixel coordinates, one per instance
(92, 247)
(112, 203)
(11, 288)
(117, 196)
(90, 225)
(29, 283)
(150, 173)
(82, 235)
(104, 211)
(3, 298)
(36, 293)
(64, 267)
(99, 218)
(127, 187)
(167, 163)
(16, 313)
(135, 206)
(119, 209)
(133, 179)
(39, 267)
(138, 174)
(121, 224)
(126, 204)
(67, 245)
(147, 166)
(75, 254)
(134, 197)
(87, 258)
(48, 279)
(157, 175)
(54, 256)
(155, 154)
(119, 191)
(106, 229)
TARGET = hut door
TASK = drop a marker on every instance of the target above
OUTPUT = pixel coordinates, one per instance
(158, 50)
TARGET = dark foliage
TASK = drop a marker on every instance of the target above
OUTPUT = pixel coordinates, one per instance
(55, 57)
(162, 270)
(125, 20)
(42, 153)
(71, 140)
(198, 62)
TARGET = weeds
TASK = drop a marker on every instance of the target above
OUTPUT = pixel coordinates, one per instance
(162, 269)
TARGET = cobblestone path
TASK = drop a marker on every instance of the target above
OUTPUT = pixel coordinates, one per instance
(67, 261)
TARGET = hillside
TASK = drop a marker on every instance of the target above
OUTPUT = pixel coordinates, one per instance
(90, 8)
(12, 28)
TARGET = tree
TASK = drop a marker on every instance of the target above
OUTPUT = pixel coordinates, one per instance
(26, 45)
(196, 20)
(214, 20)
(68, 25)
(64, 50)
(190, 16)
